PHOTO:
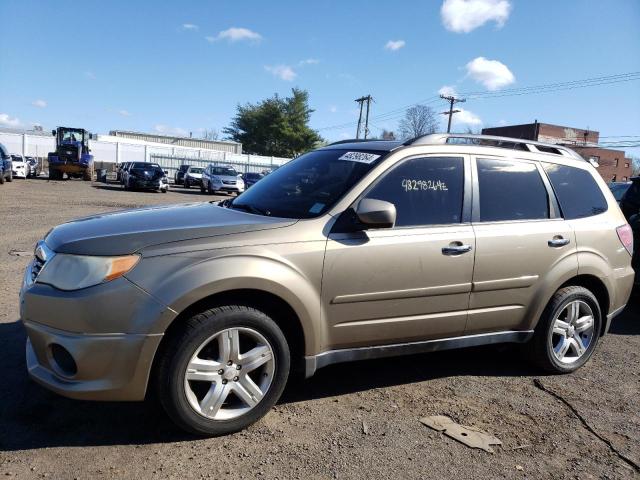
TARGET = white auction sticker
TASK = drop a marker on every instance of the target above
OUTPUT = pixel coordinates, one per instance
(361, 157)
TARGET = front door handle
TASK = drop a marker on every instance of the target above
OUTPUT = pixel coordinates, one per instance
(456, 248)
(558, 241)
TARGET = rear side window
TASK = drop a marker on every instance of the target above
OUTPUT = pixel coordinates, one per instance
(511, 190)
(578, 193)
(425, 191)
(3, 152)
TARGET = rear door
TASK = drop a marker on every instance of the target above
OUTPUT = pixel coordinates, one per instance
(522, 242)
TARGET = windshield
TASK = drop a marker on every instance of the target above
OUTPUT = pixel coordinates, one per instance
(618, 190)
(72, 136)
(309, 185)
(17, 158)
(196, 170)
(224, 171)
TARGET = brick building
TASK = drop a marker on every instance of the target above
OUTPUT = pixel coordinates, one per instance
(613, 165)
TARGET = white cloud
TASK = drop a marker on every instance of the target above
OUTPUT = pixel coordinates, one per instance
(167, 130)
(236, 34)
(90, 75)
(345, 136)
(124, 113)
(465, 117)
(333, 109)
(283, 72)
(8, 121)
(490, 73)
(463, 16)
(39, 103)
(189, 26)
(394, 45)
(447, 90)
(309, 61)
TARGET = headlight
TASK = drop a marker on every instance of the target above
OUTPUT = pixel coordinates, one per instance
(73, 272)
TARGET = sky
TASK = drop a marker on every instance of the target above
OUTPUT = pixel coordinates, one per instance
(183, 67)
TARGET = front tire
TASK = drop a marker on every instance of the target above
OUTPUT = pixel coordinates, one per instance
(568, 331)
(223, 370)
(10, 177)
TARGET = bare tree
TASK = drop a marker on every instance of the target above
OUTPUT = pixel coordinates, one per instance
(387, 134)
(211, 134)
(635, 166)
(418, 120)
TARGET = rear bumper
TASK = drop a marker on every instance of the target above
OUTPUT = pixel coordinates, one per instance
(109, 367)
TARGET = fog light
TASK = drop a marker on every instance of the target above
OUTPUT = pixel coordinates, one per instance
(64, 362)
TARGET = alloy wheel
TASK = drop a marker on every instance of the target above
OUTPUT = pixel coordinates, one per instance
(229, 374)
(573, 331)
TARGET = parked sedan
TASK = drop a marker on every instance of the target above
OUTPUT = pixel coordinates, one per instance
(143, 175)
(193, 176)
(251, 178)
(630, 206)
(178, 177)
(224, 179)
(33, 166)
(6, 172)
(20, 167)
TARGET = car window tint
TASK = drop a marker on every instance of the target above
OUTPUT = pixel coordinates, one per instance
(425, 191)
(578, 193)
(511, 190)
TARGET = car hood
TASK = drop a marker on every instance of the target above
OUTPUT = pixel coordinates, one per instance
(126, 232)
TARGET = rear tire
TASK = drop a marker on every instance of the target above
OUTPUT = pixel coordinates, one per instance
(199, 341)
(10, 177)
(568, 331)
(1, 178)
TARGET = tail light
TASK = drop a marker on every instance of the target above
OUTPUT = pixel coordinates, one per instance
(625, 234)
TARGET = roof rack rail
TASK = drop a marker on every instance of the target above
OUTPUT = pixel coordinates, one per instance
(493, 141)
(356, 140)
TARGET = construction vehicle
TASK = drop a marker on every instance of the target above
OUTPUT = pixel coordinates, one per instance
(72, 155)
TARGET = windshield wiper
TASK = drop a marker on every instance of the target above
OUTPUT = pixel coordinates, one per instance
(249, 208)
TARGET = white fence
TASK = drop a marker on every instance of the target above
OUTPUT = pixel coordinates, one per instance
(111, 149)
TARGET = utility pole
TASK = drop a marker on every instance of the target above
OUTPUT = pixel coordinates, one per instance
(361, 101)
(452, 100)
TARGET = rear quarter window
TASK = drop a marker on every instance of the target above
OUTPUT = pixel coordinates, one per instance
(578, 193)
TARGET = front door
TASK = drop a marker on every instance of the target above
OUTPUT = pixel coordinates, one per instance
(411, 282)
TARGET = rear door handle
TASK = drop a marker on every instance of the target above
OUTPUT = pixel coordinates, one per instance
(558, 241)
(456, 248)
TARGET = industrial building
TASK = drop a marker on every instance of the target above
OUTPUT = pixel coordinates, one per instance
(120, 146)
(613, 166)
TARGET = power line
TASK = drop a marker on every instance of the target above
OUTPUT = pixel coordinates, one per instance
(530, 90)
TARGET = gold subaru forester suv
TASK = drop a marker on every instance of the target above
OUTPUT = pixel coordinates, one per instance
(353, 251)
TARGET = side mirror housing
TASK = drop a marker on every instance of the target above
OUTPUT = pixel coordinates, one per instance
(374, 213)
(53, 132)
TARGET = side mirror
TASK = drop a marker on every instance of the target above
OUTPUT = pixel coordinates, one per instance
(166, 172)
(53, 132)
(374, 213)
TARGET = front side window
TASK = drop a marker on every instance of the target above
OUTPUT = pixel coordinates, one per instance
(511, 190)
(578, 193)
(425, 191)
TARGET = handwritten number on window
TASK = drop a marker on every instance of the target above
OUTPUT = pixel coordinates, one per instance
(416, 185)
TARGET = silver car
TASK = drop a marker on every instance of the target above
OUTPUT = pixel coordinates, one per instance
(222, 179)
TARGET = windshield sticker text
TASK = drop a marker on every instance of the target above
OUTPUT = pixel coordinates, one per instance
(411, 185)
(361, 157)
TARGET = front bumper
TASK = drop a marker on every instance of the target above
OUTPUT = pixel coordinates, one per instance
(109, 367)
(110, 331)
(150, 184)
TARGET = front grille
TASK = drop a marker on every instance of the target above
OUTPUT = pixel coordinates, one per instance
(229, 182)
(36, 266)
(41, 256)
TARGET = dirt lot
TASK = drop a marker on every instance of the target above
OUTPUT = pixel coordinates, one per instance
(350, 421)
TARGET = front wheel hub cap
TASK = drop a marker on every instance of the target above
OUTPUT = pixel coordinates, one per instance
(229, 373)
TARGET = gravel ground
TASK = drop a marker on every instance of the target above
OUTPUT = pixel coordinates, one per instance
(349, 421)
